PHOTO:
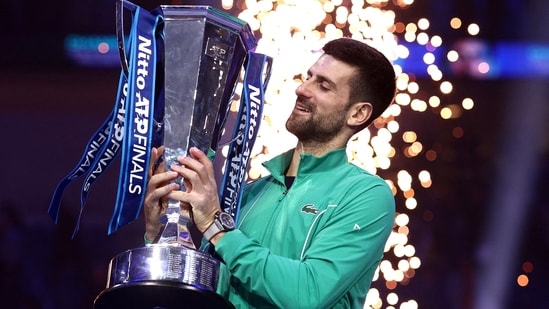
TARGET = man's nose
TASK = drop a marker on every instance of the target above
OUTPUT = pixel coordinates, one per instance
(303, 89)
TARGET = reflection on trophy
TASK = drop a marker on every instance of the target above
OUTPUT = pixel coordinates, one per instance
(204, 50)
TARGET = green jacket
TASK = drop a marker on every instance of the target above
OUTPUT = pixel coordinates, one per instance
(316, 245)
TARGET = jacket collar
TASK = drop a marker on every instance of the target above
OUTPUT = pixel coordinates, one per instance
(309, 163)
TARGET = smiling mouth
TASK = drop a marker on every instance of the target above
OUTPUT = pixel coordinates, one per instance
(302, 107)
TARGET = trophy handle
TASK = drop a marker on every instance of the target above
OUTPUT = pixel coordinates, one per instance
(120, 4)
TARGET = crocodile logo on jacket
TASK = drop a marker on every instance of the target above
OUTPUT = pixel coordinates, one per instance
(309, 209)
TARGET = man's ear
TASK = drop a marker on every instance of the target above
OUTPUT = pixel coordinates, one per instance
(359, 113)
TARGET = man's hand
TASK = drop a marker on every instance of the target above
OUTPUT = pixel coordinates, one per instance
(158, 187)
(201, 188)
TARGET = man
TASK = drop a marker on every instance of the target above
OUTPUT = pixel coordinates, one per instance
(311, 234)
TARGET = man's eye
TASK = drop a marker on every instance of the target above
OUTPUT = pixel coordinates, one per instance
(324, 86)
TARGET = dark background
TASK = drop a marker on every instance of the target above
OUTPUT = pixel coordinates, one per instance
(49, 107)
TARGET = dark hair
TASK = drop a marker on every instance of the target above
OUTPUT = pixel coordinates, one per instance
(375, 80)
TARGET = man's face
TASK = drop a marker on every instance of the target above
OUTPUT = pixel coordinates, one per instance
(322, 101)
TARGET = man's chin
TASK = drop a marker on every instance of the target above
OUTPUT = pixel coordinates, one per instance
(292, 126)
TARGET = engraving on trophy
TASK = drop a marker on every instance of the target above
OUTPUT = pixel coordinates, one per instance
(175, 263)
(216, 49)
(190, 264)
(205, 272)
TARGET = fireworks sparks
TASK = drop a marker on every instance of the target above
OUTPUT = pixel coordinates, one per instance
(293, 32)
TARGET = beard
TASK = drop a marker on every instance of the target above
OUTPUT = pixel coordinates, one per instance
(316, 127)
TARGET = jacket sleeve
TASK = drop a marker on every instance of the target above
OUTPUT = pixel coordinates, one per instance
(348, 247)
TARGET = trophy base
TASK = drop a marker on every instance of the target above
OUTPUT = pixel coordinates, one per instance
(162, 276)
(159, 295)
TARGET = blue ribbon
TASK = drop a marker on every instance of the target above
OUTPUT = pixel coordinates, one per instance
(139, 120)
(110, 149)
(133, 127)
(256, 78)
(88, 158)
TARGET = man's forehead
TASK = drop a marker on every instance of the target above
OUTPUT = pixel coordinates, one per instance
(332, 68)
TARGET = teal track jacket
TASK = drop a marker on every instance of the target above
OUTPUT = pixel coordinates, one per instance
(315, 245)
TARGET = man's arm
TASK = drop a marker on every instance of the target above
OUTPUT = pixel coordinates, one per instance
(339, 256)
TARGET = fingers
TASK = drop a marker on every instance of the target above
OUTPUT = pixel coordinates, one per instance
(196, 171)
(203, 158)
(159, 161)
(201, 195)
(200, 163)
(155, 166)
(160, 185)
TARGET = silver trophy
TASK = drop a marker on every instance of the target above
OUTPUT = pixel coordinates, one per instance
(204, 50)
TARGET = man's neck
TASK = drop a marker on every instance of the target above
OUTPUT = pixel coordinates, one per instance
(294, 164)
(315, 150)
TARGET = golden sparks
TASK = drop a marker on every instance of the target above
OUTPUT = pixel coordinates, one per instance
(293, 33)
